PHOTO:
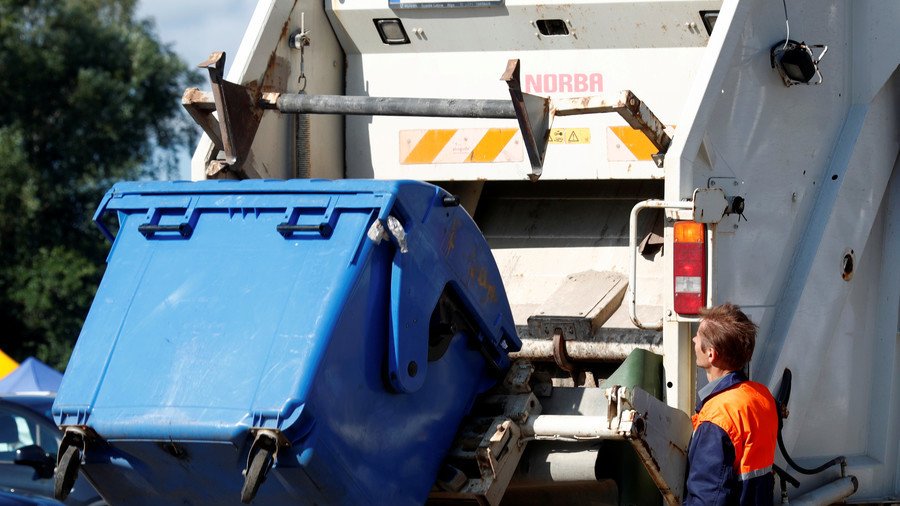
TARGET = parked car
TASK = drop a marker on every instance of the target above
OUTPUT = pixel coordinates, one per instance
(11, 499)
(28, 442)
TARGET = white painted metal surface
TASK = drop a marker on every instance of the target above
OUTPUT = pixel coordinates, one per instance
(650, 47)
(818, 167)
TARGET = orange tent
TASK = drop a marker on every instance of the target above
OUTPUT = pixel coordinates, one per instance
(7, 365)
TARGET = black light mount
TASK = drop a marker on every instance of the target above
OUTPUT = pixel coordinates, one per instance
(795, 62)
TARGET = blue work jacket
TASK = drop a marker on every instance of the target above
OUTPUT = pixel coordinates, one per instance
(732, 450)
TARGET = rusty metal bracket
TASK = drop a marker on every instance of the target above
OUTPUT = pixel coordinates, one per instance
(564, 361)
(239, 117)
(534, 116)
(201, 105)
(632, 109)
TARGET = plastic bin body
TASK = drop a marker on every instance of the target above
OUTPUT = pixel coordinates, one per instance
(210, 321)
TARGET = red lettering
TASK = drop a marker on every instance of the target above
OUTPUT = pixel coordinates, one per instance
(533, 83)
(596, 83)
(565, 83)
(581, 85)
(550, 83)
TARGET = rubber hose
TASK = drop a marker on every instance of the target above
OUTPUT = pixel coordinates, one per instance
(782, 398)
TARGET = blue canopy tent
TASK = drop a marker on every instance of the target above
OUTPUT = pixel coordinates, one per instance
(32, 375)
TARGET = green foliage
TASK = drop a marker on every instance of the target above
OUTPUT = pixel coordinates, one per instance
(89, 95)
(53, 290)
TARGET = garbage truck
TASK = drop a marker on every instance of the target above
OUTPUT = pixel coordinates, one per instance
(454, 251)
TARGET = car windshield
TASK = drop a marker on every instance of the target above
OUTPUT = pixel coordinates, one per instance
(20, 427)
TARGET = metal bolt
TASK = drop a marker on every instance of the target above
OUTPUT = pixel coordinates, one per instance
(794, 197)
(712, 183)
(735, 183)
(735, 226)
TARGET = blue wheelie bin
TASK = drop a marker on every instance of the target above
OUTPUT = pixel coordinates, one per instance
(280, 342)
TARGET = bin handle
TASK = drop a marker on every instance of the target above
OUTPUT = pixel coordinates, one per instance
(632, 247)
(287, 229)
(183, 229)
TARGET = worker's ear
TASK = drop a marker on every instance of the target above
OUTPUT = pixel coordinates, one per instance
(712, 355)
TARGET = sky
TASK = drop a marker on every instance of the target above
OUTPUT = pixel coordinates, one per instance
(196, 28)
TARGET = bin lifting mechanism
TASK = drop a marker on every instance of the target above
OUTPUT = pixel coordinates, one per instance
(241, 109)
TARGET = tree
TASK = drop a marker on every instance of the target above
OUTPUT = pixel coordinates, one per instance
(88, 95)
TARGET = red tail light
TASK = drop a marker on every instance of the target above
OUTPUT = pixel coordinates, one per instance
(689, 257)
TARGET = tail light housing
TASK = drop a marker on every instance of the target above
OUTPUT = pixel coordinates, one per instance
(689, 257)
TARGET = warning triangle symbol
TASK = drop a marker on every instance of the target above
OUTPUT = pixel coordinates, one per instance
(572, 137)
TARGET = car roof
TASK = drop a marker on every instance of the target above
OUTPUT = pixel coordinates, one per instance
(39, 403)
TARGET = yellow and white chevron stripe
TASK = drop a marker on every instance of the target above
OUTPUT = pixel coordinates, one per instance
(462, 145)
(625, 144)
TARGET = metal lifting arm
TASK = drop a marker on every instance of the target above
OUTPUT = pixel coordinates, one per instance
(240, 111)
(627, 105)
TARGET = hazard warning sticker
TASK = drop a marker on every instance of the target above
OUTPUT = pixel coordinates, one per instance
(570, 136)
(626, 144)
(464, 145)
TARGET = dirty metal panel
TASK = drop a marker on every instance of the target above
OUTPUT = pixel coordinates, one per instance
(662, 444)
(581, 305)
(542, 234)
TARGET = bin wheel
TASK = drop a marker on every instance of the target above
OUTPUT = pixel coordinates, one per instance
(66, 472)
(256, 473)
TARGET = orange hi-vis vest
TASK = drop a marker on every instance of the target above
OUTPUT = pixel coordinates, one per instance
(747, 413)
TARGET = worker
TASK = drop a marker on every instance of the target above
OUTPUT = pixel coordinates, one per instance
(732, 449)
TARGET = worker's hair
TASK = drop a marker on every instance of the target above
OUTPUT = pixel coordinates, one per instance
(727, 330)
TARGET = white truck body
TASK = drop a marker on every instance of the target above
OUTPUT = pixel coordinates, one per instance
(817, 165)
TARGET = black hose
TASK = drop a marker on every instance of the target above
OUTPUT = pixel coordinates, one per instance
(800, 469)
(781, 399)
